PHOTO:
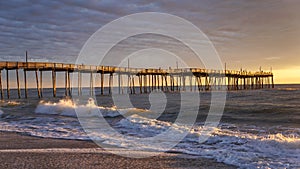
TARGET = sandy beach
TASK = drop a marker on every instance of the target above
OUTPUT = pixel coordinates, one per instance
(20, 151)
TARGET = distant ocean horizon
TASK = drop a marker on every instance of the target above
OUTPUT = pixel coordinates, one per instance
(48, 91)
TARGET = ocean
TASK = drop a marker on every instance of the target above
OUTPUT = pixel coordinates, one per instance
(258, 129)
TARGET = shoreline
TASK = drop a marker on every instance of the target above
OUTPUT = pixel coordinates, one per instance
(22, 151)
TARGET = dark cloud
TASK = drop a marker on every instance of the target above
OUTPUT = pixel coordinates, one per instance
(240, 29)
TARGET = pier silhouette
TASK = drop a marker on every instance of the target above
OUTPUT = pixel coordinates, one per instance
(139, 80)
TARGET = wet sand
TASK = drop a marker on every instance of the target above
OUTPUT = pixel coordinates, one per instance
(20, 151)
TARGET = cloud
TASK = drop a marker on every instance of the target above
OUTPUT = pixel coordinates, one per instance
(56, 30)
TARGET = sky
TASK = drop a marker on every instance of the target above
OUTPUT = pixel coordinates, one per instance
(247, 34)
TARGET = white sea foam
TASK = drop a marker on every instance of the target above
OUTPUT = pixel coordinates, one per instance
(9, 103)
(66, 107)
(243, 149)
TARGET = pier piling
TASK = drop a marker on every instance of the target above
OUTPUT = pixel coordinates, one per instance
(7, 84)
(1, 88)
(18, 83)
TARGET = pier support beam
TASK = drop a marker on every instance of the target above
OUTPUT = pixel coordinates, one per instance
(119, 83)
(69, 84)
(7, 84)
(133, 89)
(191, 83)
(162, 82)
(110, 83)
(166, 82)
(25, 84)
(54, 82)
(79, 79)
(272, 79)
(91, 84)
(41, 83)
(140, 83)
(149, 83)
(152, 82)
(102, 82)
(66, 83)
(37, 84)
(158, 82)
(183, 83)
(1, 88)
(18, 83)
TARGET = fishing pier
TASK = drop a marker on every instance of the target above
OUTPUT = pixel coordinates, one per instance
(138, 80)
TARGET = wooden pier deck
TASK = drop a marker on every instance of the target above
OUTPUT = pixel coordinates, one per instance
(167, 80)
